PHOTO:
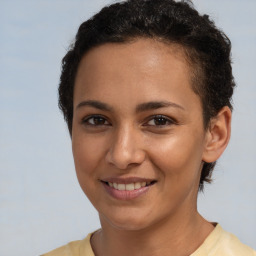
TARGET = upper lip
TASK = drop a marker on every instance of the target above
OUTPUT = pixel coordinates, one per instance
(127, 180)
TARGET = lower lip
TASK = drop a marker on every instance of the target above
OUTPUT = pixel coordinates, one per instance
(126, 194)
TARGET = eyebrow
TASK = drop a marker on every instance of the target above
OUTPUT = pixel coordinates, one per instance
(156, 105)
(140, 108)
(95, 104)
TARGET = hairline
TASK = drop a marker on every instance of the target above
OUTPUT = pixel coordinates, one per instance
(186, 53)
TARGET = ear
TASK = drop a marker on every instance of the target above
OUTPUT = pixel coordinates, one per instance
(217, 135)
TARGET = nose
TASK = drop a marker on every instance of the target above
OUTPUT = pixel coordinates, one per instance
(125, 149)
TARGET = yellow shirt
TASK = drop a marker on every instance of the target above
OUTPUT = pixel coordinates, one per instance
(218, 243)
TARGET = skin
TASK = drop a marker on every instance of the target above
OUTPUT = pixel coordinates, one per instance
(125, 142)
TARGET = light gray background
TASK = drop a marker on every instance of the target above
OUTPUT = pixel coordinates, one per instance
(41, 204)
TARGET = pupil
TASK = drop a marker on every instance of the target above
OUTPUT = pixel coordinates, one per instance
(99, 120)
(160, 121)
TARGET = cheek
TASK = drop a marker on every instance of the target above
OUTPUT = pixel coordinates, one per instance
(88, 152)
(178, 155)
(87, 158)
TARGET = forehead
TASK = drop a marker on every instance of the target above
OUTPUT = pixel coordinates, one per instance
(144, 70)
(150, 50)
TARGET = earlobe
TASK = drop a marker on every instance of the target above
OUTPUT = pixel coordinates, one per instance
(217, 135)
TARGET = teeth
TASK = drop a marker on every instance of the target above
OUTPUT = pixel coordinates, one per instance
(121, 186)
(137, 185)
(128, 187)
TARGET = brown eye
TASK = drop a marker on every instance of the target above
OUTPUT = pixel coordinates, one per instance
(160, 120)
(96, 121)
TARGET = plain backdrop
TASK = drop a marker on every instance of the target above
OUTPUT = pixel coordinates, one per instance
(41, 204)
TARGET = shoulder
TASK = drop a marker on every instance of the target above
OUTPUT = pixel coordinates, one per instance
(75, 248)
(223, 243)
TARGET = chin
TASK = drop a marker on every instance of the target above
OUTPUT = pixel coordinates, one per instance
(125, 222)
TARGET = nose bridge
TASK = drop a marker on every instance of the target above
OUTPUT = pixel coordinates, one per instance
(125, 148)
(123, 136)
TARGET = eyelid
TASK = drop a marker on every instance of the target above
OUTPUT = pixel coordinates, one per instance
(170, 120)
(84, 120)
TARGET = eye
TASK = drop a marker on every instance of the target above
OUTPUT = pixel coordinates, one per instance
(160, 120)
(95, 120)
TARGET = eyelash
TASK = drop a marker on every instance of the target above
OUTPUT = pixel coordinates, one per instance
(166, 119)
(86, 120)
(163, 118)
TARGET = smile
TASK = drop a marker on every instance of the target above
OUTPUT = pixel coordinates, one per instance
(130, 186)
(127, 189)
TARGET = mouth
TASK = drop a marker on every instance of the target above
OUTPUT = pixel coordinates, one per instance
(129, 186)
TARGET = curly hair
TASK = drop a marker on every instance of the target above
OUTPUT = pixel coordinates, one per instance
(207, 50)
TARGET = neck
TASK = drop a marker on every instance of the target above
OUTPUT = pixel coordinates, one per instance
(180, 235)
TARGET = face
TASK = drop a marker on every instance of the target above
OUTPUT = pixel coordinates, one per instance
(138, 137)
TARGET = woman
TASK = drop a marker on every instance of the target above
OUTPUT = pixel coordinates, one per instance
(146, 92)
